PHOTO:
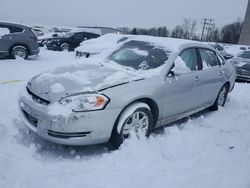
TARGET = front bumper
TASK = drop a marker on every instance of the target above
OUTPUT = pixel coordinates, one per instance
(35, 52)
(82, 128)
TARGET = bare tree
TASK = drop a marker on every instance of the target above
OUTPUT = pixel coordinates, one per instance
(231, 33)
(189, 28)
(213, 34)
(177, 32)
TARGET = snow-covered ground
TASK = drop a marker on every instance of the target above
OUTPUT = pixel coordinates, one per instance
(209, 150)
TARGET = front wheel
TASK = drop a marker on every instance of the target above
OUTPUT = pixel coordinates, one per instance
(221, 98)
(19, 52)
(136, 121)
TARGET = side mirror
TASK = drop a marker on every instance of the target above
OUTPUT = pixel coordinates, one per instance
(179, 67)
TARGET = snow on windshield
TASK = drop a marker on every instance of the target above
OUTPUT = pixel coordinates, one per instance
(140, 55)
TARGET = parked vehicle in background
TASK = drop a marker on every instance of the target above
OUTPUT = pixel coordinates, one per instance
(69, 41)
(146, 83)
(99, 30)
(235, 49)
(17, 41)
(38, 32)
(96, 46)
(220, 49)
(242, 64)
(43, 38)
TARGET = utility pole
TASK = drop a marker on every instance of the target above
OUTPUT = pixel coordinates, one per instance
(207, 23)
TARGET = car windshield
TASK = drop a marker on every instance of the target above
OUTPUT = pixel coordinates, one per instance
(140, 55)
(245, 54)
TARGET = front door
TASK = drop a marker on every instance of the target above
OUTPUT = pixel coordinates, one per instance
(182, 91)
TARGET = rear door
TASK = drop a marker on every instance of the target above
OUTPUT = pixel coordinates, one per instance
(182, 91)
(212, 74)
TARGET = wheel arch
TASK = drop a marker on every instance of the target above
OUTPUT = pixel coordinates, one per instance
(228, 85)
(20, 44)
(148, 101)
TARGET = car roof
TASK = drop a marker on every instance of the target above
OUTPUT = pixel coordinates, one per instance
(173, 44)
(13, 24)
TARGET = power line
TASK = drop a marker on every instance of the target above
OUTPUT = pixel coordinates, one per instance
(207, 24)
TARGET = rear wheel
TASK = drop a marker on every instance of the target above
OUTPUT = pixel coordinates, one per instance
(19, 52)
(139, 120)
(65, 47)
(221, 98)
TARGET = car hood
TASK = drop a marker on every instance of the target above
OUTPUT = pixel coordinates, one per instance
(67, 80)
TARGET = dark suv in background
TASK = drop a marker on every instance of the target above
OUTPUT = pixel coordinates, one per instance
(69, 41)
(17, 41)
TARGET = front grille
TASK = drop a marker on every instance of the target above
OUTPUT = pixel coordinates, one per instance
(30, 118)
(37, 98)
(67, 135)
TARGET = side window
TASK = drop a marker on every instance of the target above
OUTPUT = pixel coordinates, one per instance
(14, 29)
(90, 35)
(209, 58)
(78, 37)
(189, 57)
(4, 31)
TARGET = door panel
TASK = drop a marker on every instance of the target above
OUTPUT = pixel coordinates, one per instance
(213, 75)
(182, 93)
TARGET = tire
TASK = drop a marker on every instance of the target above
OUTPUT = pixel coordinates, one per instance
(65, 47)
(221, 98)
(140, 120)
(19, 52)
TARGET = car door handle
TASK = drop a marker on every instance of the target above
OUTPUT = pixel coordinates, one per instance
(221, 73)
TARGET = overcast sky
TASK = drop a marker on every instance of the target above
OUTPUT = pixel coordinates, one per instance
(116, 13)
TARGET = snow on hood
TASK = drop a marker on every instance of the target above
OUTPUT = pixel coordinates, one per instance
(65, 80)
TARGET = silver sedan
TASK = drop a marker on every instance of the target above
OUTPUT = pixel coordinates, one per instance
(146, 83)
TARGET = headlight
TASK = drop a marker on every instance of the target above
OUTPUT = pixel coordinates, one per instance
(85, 102)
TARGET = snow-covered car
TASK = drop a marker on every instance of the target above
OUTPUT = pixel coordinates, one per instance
(43, 38)
(146, 83)
(242, 64)
(96, 46)
(220, 49)
(235, 49)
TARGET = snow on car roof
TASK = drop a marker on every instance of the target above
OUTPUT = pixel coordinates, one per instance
(172, 44)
